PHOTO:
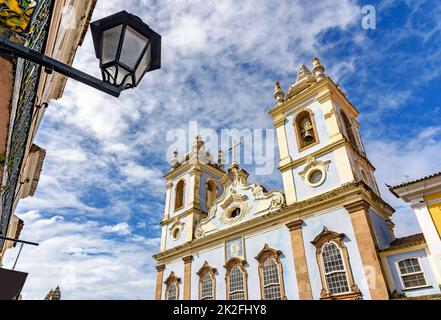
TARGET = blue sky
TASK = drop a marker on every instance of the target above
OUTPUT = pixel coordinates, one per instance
(96, 212)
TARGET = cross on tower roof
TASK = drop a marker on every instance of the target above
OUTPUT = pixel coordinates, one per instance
(233, 147)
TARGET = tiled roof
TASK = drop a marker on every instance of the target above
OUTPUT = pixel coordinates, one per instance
(406, 242)
(414, 181)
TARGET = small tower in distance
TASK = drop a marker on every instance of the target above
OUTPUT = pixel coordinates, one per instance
(54, 294)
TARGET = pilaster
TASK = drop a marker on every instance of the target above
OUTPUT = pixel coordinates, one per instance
(195, 181)
(359, 214)
(159, 279)
(187, 277)
(300, 265)
(168, 187)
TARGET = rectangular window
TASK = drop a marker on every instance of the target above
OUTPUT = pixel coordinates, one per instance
(411, 273)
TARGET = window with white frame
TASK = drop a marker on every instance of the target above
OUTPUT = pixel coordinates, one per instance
(271, 281)
(411, 273)
(334, 269)
(236, 284)
(207, 287)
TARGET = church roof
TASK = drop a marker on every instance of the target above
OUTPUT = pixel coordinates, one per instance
(406, 242)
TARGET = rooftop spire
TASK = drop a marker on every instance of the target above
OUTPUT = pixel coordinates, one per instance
(279, 95)
(317, 69)
(303, 73)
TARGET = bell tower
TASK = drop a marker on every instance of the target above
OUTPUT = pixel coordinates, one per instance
(192, 186)
(317, 130)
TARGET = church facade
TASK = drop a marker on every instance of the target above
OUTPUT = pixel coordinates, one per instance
(328, 235)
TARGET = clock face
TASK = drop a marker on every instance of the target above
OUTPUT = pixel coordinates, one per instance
(234, 249)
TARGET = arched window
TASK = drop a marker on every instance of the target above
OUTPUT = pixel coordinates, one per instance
(179, 195)
(333, 260)
(334, 269)
(207, 282)
(172, 287)
(411, 273)
(349, 129)
(270, 274)
(172, 292)
(236, 284)
(210, 193)
(305, 130)
(236, 280)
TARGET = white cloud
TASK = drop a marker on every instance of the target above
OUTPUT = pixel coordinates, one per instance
(84, 261)
(121, 229)
(136, 174)
(103, 172)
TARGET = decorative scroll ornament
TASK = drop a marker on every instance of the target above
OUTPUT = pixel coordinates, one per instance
(313, 163)
(243, 208)
(236, 196)
(176, 229)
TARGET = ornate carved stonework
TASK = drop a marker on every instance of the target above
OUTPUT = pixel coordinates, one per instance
(313, 163)
(236, 195)
(325, 237)
(226, 216)
(176, 225)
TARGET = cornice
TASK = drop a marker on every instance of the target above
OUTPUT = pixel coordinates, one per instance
(330, 90)
(295, 225)
(181, 215)
(298, 99)
(160, 267)
(330, 147)
(337, 198)
(357, 206)
(191, 167)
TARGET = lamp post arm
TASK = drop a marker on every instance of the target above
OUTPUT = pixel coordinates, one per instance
(11, 48)
(20, 241)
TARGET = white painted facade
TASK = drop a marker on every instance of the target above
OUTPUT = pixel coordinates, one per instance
(246, 219)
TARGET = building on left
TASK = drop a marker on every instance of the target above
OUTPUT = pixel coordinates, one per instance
(56, 29)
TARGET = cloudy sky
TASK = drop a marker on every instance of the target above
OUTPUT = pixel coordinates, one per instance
(101, 194)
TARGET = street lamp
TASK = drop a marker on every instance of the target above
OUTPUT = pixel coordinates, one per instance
(126, 47)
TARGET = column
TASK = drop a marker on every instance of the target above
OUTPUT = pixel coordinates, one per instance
(187, 277)
(300, 265)
(159, 279)
(359, 214)
(430, 234)
(285, 159)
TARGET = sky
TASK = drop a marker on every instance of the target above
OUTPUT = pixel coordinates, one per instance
(101, 195)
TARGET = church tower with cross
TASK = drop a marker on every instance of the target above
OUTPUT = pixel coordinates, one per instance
(328, 235)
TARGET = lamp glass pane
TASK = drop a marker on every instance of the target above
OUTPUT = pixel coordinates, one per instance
(110, 42)
(134, 44)
(121, 77)
(144, 64)
(118, 76)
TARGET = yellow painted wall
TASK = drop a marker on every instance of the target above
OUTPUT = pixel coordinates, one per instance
(435, 210)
